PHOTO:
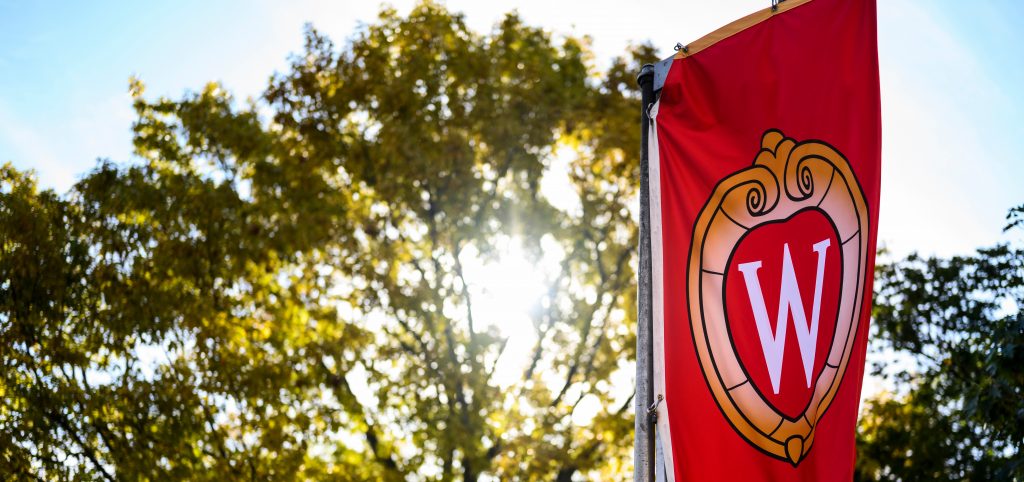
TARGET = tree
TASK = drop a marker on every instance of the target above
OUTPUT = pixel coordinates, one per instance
(958, 324)
(203, 313)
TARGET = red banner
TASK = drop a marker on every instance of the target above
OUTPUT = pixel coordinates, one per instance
(765, 170)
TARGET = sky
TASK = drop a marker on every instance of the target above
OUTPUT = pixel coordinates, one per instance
(952, 71)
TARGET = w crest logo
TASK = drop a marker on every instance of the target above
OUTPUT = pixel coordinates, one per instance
(775, 278)
(773, 344)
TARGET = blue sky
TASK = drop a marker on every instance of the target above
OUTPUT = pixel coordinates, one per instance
(952, 76)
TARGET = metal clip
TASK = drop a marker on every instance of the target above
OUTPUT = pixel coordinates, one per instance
(652, 411)
(775, 5)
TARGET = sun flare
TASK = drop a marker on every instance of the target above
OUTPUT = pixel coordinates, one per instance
(504, 291)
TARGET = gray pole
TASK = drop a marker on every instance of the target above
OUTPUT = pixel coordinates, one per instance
(643, 442)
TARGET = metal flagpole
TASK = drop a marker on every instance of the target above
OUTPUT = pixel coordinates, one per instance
(643, 442)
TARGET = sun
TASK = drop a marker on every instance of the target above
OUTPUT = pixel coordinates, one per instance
(504, 291)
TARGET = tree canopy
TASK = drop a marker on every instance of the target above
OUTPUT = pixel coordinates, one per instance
(954, 330)
(207, 311)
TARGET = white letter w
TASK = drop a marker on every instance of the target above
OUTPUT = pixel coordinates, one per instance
(774, 345)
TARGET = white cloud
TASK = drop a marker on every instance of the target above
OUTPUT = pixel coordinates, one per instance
(30, 150)
(63, 149)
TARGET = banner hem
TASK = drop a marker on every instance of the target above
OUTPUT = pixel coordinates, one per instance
(736, 27)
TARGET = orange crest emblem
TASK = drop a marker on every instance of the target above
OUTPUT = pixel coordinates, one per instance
(774, 353)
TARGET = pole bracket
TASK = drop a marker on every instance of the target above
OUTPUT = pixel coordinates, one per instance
(652, 411)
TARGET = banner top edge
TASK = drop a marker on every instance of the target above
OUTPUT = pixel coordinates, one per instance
(736, 26)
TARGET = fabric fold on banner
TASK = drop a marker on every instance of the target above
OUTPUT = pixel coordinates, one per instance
(657, 288)
(765, 161)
